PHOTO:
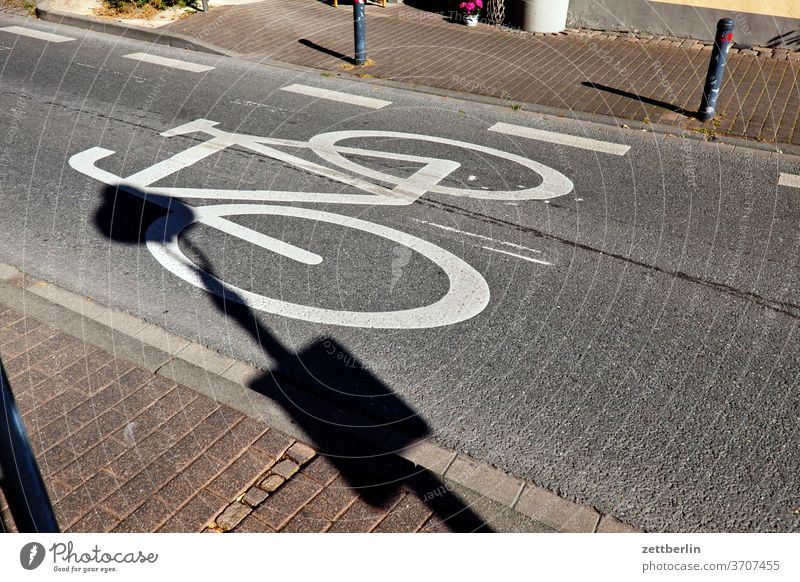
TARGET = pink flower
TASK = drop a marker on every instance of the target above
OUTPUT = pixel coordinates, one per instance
(462, 5)
(479, 3)
(470, 6)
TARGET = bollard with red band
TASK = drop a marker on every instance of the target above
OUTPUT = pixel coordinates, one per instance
(360, 31)
(716, 68)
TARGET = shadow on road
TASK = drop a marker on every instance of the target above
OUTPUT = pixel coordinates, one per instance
(351, 417)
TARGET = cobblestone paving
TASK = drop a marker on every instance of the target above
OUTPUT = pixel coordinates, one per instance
(123, 450)
(631, 77)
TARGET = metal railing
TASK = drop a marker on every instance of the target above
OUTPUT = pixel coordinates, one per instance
(20, 479)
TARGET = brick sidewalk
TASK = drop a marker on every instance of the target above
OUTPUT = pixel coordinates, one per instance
(643, 79)
(121, 449)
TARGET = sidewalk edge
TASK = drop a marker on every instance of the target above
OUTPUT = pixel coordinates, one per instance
(777, 149)
(224, 379)
(44, 12)
(568, 115)
(190, 43)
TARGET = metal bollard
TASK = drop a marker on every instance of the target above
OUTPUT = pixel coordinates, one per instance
(716, 68)
(360, 31)
(20, 479)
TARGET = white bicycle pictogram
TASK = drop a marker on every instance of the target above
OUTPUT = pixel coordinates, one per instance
(468, 293)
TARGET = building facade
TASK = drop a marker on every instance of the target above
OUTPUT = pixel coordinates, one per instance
(773, 23)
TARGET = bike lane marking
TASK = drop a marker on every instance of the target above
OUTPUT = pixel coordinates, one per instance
(531, 259)
(136, 185)
(791, 180)
(467, 296)
(167, 62)
(337, 96)
(468, 292)
(479, 236)
(553, 183)
(38, 34)
(585, 143)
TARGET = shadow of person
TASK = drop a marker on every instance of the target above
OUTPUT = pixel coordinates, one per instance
(357, 422)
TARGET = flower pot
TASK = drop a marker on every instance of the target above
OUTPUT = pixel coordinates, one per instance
(471, 20)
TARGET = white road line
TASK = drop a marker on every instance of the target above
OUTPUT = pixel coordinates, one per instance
(480, 236)
(585, 143)
(264, 241)
(256, 104)
(467, 296)
(791, 180)
(166, 62)
(532, 260)
(33, 33)
(118, 73)
(337, 96)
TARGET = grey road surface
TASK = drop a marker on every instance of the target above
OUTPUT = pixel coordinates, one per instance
(637, 349)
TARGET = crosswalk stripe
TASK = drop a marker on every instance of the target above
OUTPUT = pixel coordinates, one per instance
(33, 33)
(337, 96)
(585, 143)
(167, 62)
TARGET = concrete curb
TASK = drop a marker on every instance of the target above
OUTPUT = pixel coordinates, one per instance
(44, 12)
(225, 380)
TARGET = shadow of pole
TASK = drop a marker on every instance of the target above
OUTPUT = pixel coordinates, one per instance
(640, 99)
(327, 51)
(351, 417)
(787, 40)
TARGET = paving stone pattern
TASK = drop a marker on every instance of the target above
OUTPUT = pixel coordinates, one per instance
(123, 450)
(631, 77)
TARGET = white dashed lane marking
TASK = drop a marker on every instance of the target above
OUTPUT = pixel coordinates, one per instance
(33, 33)
(531, 259)
(172, 63)
(791, 180)
(478, 236)
(574, 141)
(337, 96)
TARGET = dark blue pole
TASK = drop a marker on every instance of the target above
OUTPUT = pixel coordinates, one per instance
(360, 31)
(716, 68)
(19, 475)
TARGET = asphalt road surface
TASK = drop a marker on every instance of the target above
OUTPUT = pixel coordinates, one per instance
(618, 324)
